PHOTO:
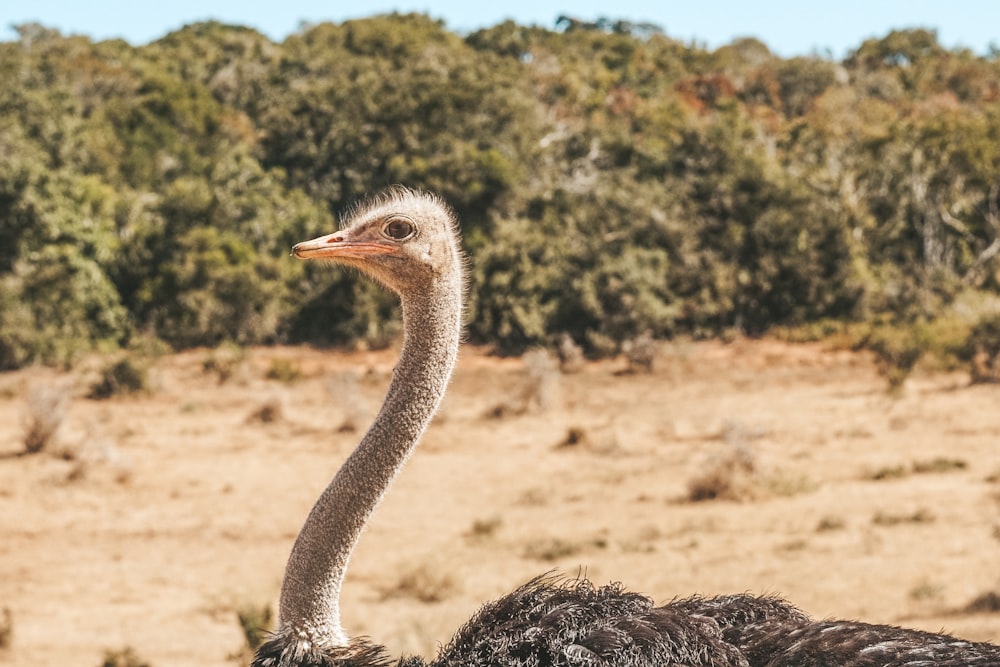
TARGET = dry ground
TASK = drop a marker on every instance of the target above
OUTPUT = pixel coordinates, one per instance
(154, 518)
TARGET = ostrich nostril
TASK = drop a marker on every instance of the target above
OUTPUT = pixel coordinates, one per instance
(336, 238)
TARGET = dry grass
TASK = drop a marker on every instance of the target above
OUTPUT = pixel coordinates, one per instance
(213, 503)
(538, 392)
(986, 603)
(284, 370)
(729, 477)
(268, 412)
(6, 629)
(425, 583)
(919, 516)
(225, 362)
(940, 464)
(45, 413)
(571, 358)
(641, 353)
(256, 623)
(553, 549)
(485, 528)
(345, 393)
(830, 523)
(936, 465)
(125, 657)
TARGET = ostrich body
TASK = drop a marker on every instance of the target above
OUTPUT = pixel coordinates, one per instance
(408, 241)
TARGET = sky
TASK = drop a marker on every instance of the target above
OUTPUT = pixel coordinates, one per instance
(788, 27)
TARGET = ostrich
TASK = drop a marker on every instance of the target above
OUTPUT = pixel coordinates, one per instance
(408, 241)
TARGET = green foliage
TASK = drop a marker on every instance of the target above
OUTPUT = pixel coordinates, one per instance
(54, 305)
(612, 183)
(897, 350)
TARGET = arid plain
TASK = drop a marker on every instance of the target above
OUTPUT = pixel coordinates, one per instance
(150, 521)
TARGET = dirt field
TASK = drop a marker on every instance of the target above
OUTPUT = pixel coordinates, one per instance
(152, 519)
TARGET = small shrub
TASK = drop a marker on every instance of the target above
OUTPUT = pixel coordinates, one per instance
(422, 583)
(123, 377)
(542, 387)
(126, 657)
(641, 353)
(269, 412)
(926, 590)
(483, 528)
(728, 478)
(786, 485)
(552, 549)
(575, 436)
(148, 346)
(345, 393)
(571, 359)
(6, 629)
(982, 350)
(888, 472)
(47, 407)
(987, 603)
(939, 465)
(533, 497)
(256, 623)
(538, 393)
(897, 351)
(284, 370)
(830, 523)
(224, 361)
(922, 515)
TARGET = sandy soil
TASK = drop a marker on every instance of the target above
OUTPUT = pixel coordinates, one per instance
(153, 519)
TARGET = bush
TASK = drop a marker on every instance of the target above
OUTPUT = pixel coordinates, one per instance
(897, 350)
(125, 376)
(284, 370)
(256, 623)
(55, 306)
(126, 657)
(982, 350)
(46, 412)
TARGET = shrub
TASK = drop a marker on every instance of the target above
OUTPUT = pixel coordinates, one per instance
(270, 411)
(897, 350)
(284, 370)
(224, 360)
(727, 478)
(423, 583)
(982, 350)
(125, 376)
(256, 623)
(6, 629)
(56, 306)
(47, 407)
(126, 657)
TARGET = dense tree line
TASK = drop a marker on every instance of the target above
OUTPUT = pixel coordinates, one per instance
(611, 181)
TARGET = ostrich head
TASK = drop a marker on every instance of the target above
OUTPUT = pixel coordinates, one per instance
(403, 239)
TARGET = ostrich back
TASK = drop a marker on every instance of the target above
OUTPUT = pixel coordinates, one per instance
(854, 644)
(551, 623)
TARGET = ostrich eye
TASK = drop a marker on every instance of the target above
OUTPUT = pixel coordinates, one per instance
(398, 229)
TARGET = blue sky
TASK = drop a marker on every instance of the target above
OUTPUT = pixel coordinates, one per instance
(789, 27)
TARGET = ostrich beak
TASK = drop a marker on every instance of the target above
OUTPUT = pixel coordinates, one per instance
(339, 245)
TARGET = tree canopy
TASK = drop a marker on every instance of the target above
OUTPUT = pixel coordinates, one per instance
(611, 181)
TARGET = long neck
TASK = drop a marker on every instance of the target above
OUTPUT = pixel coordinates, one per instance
(310, 594)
